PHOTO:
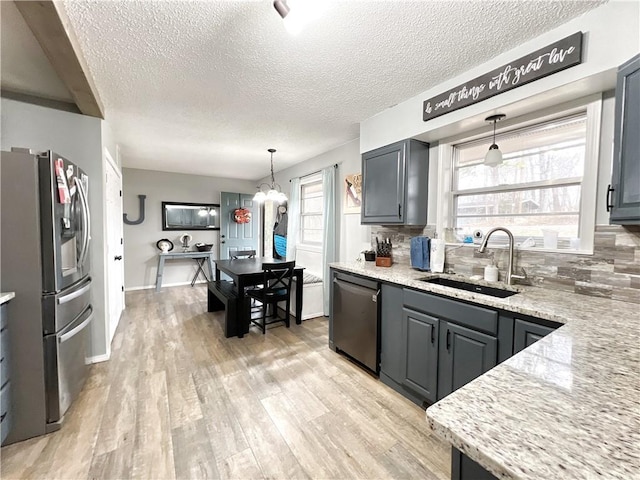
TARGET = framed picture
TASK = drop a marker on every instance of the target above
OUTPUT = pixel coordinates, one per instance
(353, 193)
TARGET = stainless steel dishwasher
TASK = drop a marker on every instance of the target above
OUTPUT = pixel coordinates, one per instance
(355, 319)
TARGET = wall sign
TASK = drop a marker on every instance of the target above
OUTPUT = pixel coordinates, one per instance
(553, 58)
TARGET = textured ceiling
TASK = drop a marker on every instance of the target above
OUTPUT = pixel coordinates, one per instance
(25, 67)
(207, 87)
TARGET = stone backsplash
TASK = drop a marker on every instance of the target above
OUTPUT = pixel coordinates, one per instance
(613, 271)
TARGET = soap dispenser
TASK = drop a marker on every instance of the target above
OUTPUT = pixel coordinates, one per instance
(491, 273)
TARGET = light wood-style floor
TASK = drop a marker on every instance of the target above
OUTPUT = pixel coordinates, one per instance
(178, 400)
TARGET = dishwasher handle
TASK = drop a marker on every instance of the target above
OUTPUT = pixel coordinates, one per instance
(357, 289)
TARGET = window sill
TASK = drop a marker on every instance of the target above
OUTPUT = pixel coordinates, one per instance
(522, 249)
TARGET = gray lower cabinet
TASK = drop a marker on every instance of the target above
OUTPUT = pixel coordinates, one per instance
(5, 384)
(392, 343)
(464, 355)
(463, 468)
(527, 333)
(421, 337)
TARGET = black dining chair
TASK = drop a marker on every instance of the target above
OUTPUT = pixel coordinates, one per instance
(276, 287)
(236, 254)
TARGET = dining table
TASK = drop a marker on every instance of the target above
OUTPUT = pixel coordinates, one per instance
(247, 272)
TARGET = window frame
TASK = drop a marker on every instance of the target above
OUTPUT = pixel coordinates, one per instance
(315, 178)
(592, 107)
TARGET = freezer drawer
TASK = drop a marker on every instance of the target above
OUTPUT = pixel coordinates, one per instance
(65, 365)
(355, 321)
(62, 308)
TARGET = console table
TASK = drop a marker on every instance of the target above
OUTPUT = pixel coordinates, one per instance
(197, 256)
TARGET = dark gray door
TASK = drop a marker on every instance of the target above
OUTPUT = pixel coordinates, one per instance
(238, 236)
(392, 342)
(464, 355)
(421, 337)
(527, 333)
(383, 180)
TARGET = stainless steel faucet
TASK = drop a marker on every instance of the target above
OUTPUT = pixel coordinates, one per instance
(510, 272)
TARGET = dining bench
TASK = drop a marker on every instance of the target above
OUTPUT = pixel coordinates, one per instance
(222, 295)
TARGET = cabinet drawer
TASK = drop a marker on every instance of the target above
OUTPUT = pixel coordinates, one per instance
(477, 318)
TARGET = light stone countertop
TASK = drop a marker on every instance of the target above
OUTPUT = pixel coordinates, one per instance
(566, 407)
(6, 296)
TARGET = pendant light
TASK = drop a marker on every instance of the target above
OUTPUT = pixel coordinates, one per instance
(271, 191)
(493, 158)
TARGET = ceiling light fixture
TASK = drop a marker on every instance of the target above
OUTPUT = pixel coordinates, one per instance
(273, 190)
(493, 158)
(296, 14)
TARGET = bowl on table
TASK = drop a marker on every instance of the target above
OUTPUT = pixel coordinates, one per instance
(204, 247)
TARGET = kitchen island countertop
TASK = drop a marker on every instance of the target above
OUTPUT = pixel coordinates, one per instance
(568, 406)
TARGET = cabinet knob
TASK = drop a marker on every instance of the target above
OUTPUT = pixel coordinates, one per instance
(118, 257)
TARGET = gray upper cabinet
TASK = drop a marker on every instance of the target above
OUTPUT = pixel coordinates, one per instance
(623, 196)
(394, 184)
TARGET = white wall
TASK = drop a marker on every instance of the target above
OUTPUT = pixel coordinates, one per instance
(78, 138)
(140, 251)
(611, 38)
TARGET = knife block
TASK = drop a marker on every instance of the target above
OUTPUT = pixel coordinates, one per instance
(384, 261)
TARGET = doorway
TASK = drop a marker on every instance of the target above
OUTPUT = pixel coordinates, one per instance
(115, 247)
(234, 233)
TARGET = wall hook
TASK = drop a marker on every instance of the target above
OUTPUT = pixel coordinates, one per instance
(141, 218)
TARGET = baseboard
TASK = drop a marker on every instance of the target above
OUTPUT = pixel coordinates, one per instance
(164, 285)
(99, 358)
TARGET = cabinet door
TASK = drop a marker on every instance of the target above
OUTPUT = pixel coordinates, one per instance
(421, 334)
(464, 355)
(392, 344)
(625, 182)
(527, 333)
(383, 181)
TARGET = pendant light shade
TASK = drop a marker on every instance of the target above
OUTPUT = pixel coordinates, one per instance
(493, 158)
(271, 191)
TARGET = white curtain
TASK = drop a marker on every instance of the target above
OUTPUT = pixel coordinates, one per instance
(329, 230)
(293, 213)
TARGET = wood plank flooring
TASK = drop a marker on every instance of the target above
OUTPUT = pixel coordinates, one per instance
(178, 400)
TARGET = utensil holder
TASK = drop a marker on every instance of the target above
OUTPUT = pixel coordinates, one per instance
(384, 261)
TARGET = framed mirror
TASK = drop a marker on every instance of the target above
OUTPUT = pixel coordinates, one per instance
(190, 216)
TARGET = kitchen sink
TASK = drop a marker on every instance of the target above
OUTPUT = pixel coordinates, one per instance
(471, 287)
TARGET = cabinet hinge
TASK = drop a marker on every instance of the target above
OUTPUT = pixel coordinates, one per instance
(123, 288)
(120, 192)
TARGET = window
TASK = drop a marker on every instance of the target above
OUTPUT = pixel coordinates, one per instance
(544, 187)
(311, 210)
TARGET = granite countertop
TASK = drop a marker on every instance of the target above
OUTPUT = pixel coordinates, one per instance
(6, 296)
(566, 407)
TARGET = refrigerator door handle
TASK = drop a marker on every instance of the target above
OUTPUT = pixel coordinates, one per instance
(76, 294)
(74, 331)
(87, 221)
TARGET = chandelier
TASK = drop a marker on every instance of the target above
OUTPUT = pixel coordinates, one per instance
(271, 191)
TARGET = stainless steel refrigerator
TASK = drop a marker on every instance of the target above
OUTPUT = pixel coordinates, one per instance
(45, 244)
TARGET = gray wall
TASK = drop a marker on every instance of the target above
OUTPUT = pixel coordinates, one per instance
(140, 251)
(353, 236)
(78, 138)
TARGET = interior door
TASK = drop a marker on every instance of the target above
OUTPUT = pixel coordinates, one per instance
(115, 247)
(238, 236)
